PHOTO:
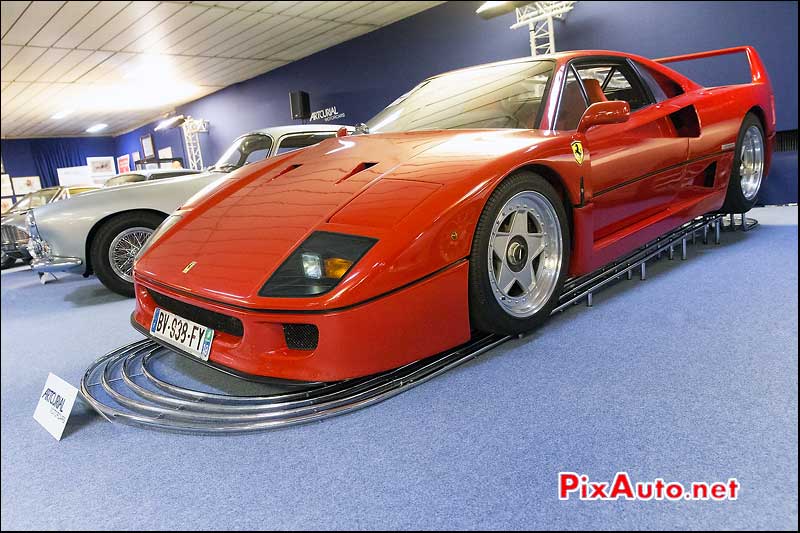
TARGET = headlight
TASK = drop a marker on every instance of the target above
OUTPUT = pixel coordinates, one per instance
(157, 234)
(317, 265)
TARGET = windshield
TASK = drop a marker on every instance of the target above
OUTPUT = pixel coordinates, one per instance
(244, 150)
(498, 96)
(123, 179)
(35, 199)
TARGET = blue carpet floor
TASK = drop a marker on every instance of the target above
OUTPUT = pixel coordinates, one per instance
(690, 375)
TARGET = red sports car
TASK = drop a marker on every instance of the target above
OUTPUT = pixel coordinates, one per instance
(463, 206)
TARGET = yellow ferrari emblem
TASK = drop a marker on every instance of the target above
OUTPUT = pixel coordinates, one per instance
(577, 151)
(189, 267)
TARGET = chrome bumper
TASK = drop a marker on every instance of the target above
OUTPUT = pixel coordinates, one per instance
(55, 264)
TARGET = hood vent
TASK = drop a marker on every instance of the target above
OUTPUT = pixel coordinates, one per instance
(361, 167)
(288, 169)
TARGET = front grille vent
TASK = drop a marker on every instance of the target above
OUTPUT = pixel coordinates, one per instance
(13, 234)
(301, 336)
(211, 319)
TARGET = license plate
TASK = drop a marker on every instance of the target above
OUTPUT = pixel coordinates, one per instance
(189, 336)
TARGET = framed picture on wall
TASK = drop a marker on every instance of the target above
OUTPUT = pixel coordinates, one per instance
(26, 185)
(100, 167)
(148, 146)
(124, 163)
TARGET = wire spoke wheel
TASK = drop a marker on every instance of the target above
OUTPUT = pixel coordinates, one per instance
(525, 254)
(751, 166)
(123, 250)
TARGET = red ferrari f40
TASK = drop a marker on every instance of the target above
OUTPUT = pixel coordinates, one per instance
(462, 206)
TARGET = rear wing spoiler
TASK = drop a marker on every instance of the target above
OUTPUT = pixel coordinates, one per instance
(757, 70)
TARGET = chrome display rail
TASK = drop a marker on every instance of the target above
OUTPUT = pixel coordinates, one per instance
(135, 395)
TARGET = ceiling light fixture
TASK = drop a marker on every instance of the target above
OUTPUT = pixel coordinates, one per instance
(62, 114)
(96, 127)
(172, 122)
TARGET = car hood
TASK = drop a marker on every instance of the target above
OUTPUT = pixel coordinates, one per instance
(239, 236)
(15, 218)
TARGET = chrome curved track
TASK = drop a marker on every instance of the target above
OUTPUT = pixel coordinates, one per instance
(152, 402)
(158, 404)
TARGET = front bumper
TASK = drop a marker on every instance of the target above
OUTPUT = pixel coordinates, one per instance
(403, 326)
(55, 264)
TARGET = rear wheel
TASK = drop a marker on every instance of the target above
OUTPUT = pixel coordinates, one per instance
(115, 247)
(748, 167)
(520, 256)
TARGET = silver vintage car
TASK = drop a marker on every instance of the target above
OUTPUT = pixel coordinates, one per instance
(14, 226)
(101, 232)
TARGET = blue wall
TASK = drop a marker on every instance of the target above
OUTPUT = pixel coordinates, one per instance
(361, 76)
(129, 142)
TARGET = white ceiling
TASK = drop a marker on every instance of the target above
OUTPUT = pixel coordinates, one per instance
(99, 59)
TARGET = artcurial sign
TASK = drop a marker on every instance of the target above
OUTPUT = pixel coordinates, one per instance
(55, 405)
(328, 114)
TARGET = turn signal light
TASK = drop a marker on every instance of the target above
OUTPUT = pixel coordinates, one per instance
(336, 267)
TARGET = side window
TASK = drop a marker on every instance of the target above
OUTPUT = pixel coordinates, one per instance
(661, 86)
(572, 104)
(613, 82)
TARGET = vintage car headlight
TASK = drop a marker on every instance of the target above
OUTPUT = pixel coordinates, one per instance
(37, 246)
(317, 265)
(157, 234)
(30, 221)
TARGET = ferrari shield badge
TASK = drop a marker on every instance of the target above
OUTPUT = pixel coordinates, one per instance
(577, 151)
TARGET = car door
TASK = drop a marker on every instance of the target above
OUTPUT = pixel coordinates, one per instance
(636, 166)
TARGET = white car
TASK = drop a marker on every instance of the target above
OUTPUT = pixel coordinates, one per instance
(101, 232)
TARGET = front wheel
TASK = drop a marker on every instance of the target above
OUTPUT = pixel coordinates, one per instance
(115, 246)
(7, 260)
(520, 256)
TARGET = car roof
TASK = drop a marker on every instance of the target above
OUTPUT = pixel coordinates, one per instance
(280, 131)
(566, 55)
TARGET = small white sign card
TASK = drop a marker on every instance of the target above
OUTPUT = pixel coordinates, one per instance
(55, 405)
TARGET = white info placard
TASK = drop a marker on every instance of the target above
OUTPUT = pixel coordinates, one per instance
(55, 405)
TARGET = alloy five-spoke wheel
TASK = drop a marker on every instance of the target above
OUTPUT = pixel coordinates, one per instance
(751, 162)
(520, 255)
(525, 253)
(749, 165)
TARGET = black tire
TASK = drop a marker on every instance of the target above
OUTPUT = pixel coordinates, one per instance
(102, 242)
(735, 201)
(7, 261)
(486, 313)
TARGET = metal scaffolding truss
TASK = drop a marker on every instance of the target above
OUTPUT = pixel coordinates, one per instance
(538, 16)
(191, 128)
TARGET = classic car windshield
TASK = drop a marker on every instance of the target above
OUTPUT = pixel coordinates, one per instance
(35, 199)
(499, 96)
(244, 150)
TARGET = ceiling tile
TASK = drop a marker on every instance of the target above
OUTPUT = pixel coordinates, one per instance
(31, 21)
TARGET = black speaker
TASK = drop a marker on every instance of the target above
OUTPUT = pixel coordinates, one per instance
(299, 105)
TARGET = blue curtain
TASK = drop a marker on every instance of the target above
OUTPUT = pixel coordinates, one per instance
(52, 154)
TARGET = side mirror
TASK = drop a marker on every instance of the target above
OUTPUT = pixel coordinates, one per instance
(610, 112)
